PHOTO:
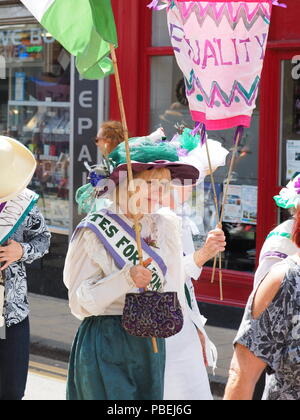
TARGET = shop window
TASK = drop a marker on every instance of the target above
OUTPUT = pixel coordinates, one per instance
(290, 124)
(169, 108)
(35, 109)
(169, 104)
(160, 33)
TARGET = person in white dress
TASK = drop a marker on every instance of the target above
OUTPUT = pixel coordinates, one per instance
(189, 353)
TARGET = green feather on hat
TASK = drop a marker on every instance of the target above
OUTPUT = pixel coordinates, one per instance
(143, 150)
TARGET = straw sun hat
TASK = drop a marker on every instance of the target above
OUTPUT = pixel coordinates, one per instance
(17, 166)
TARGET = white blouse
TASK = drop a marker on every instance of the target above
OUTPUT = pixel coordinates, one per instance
(98, 287)
(277, 243)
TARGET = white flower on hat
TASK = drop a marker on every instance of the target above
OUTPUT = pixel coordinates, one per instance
(289, 196)
(218, 155)
(192, 152)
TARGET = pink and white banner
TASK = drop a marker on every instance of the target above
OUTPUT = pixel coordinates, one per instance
(220, 47)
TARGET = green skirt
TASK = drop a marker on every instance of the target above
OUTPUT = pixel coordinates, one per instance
(108, 364)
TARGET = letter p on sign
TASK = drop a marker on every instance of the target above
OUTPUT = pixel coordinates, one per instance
(84, 124)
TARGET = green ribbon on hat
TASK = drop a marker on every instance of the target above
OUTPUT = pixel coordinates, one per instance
(289, 197)
(287, 203)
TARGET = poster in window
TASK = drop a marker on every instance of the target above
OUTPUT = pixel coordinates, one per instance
(241, 204)
(233, 204)
(293, 158)
(249, 204)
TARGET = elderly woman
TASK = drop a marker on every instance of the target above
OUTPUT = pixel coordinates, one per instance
(106, 362)
(24, 238)
(269, 336)
(109, 136)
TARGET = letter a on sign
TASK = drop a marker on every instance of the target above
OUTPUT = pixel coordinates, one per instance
(85, 154)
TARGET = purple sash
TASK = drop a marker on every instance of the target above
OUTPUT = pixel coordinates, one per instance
(119, 240)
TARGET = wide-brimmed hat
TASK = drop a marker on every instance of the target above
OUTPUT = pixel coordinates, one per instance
(17, 166)
(147, 154)
(289, 197)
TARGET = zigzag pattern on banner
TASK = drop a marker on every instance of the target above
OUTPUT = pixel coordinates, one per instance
(216, 11)
(217, 93)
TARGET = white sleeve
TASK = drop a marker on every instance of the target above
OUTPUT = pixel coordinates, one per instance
(92, 278)
(264, 268)
(191, 269)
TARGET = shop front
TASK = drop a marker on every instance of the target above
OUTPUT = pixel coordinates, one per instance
(45, 105)
(269, 154)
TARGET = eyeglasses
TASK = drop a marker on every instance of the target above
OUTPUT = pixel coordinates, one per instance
(155, 183)
(97, 139)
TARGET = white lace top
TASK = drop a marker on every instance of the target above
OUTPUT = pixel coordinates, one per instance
(98, 287)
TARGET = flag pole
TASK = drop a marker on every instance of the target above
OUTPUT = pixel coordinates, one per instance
(238, 137)
(213, 184)
(219, 224)
(137, 225)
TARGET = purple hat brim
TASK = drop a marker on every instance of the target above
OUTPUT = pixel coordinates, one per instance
(180, 171)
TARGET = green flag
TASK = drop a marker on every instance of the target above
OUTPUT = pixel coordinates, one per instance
(85, 28)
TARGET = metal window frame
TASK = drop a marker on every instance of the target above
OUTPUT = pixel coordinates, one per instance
(15, 20)
(9, 2)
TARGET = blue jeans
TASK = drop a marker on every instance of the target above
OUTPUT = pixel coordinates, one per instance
(14, 361)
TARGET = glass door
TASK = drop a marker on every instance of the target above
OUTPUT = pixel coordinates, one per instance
(289, 165)
(35, 109)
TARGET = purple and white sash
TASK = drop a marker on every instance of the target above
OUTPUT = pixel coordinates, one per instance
(14, 212)
(118, 238)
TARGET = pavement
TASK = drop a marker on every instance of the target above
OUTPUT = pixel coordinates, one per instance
(53, 329)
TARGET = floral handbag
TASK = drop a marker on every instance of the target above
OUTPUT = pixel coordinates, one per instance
(152, 314)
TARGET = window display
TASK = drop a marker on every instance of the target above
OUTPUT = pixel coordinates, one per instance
(169, 109)
(35, 109)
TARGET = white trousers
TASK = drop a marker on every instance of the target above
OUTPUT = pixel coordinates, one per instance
(186, 376)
